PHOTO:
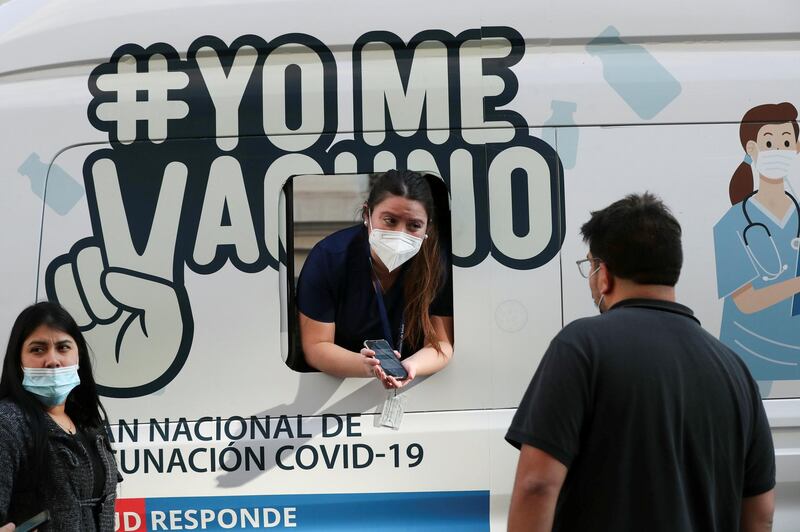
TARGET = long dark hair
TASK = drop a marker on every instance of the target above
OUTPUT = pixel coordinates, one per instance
(83, 404)
(426, 271)
(753, 120)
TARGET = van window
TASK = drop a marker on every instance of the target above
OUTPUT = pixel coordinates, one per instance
(314, 207)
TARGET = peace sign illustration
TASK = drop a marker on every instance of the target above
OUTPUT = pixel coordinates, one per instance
(133, 310)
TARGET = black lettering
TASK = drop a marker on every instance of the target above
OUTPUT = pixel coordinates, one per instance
(331, 432)
(176, 460)
(192, 464)
(279, 457)
(125, 428)
(330, 461)
(162, 431)
(242, 425)
(156, 461)
(223, 458)
(250, 457)
(182, 429)
(197, 433)
(357, 463)
(123, 455)
(283, 426)
(300, 433)
(255, 423)
(298, 457)
(353, 423)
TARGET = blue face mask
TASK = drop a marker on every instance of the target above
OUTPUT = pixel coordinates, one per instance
(51, 386)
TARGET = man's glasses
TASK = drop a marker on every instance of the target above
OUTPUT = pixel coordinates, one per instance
(586, 266)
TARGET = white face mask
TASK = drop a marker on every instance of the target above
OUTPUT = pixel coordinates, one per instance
(774, 164)
(394, 248)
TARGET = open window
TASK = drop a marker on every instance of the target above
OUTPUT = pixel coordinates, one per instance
(314, 207)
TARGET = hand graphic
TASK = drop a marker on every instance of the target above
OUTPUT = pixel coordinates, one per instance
(136, 320)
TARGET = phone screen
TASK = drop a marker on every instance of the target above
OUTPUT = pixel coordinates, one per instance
(35, 521)
(389, 362)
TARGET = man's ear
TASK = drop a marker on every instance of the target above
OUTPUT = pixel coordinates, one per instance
(605, 280)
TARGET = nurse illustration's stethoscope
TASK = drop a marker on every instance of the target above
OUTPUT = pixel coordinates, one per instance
(769, 274)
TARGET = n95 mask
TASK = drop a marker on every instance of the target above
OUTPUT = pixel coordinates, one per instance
(775, 164)
(394, 248)
(51, 386)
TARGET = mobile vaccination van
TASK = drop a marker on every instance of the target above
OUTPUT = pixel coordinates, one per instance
(166, 166)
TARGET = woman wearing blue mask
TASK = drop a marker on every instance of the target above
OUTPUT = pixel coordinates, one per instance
(756, 244)
(384, 279)
(54, 451)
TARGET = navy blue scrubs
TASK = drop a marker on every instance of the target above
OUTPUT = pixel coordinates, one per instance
(335, 286)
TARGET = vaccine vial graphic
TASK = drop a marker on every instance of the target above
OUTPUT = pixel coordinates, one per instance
(565, 138)
(645, 85)
(63, 191)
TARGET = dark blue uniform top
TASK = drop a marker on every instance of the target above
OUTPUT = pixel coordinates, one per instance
(335, 286)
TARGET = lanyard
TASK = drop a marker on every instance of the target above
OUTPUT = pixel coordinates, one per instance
(387, 328)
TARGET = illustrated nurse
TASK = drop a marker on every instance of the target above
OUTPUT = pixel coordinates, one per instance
(385, 278)
(756, 247)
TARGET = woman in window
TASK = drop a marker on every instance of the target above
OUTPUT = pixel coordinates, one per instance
(54, 451)
(384, 279)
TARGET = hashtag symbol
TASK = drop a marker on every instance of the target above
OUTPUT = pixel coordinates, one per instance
(153, 105)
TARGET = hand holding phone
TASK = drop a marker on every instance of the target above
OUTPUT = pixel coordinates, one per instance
(31, 524)
(389, 361)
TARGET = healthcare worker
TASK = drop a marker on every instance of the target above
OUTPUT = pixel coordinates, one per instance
(756, 246)
(385, 278)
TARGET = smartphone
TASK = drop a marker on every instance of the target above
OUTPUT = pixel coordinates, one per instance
(390, 364)
(35, 521)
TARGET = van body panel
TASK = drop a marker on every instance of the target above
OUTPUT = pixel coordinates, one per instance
(162, 224)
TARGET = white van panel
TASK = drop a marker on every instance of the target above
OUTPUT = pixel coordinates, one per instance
(713, 63)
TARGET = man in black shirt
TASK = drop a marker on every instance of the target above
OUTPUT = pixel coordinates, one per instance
(638, 419)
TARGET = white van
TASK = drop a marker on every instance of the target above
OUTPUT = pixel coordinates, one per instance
(165, 165)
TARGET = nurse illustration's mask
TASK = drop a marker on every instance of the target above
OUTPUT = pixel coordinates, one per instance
(394, 248)
(774, 164)
(774, 152)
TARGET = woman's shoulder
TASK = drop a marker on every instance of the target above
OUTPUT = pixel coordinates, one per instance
(10, 410)
(340, 241)
(333, 256)
(335, 250)
(12, 416)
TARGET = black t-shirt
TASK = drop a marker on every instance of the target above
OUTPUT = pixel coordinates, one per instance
(336, 286)
(660, 425)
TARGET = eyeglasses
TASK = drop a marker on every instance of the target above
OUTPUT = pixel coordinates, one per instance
(585, 266)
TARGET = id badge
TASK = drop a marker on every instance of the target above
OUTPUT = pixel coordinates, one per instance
(393, 409)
